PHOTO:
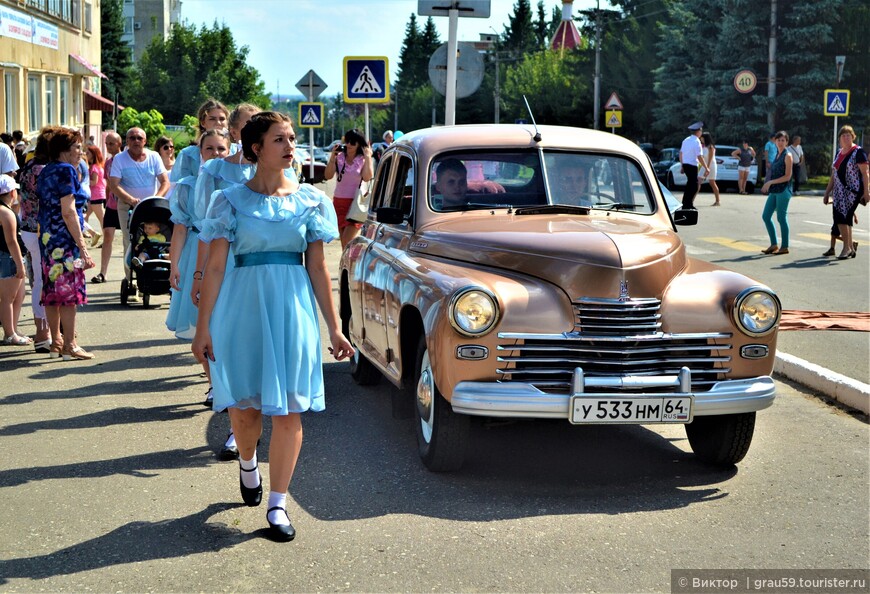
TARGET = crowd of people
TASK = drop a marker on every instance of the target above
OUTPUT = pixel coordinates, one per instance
(244, 233)
(782, 164)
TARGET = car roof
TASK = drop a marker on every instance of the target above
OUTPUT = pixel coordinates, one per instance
(430, 142)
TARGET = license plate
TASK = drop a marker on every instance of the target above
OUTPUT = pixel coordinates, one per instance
(603, 409)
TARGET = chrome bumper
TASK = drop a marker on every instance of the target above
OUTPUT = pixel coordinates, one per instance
(513, 399)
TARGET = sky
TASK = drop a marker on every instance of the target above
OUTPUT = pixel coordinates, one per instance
(287, 38)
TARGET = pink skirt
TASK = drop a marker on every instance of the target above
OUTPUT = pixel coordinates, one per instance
(342, 207)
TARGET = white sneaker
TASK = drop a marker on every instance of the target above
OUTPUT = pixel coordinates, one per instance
(209, 398)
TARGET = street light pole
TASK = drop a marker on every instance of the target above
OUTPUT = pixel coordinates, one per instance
(840, 61)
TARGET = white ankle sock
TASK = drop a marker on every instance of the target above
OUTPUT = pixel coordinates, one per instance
(250, 473)
(277, 517)
(231, 440)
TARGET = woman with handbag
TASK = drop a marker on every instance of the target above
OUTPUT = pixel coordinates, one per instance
(849, 186)
(352, 163)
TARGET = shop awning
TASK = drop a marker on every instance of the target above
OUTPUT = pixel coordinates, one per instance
(94, 102)
(78, 65)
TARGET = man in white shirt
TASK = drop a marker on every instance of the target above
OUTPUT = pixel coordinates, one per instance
(691, 155)
(136, 173)
(797, 162)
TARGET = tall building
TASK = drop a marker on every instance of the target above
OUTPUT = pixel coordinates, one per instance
(146, 19)
(49, 65)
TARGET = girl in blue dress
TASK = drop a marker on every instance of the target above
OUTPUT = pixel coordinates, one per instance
(214, 144)
(211, 114)
(258, 327)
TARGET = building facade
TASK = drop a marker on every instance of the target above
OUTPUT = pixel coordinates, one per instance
(49, 65)
(146, 19)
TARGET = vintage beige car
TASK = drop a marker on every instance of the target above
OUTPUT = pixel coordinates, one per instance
(522, 272)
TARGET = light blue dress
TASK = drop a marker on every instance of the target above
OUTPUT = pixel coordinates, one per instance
(264, 327)
(186, 164)
(181, 318)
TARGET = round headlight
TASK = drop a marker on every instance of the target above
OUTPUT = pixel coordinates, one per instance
(757, 311)
(473, 311)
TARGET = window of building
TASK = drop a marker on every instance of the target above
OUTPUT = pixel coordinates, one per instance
(89, 12)
(128, 25)
(34, 106)
(10, 90)
(64, 101)
(51, 99)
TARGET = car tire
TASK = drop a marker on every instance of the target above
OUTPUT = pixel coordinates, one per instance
(146, 300)
(125, 290)
(442, 435)
(721, 440)
(363, 372)
(670, 183)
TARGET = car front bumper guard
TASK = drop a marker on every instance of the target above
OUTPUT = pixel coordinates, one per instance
(522, 400)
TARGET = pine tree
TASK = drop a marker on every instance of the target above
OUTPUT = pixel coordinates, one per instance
(519, 34)
(115, 60)
(406, 76)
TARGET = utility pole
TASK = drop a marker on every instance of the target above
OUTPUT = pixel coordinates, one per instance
(771, 69)
(596, 87)
(496, 94)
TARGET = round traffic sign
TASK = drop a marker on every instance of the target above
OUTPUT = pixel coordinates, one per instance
(745, 81)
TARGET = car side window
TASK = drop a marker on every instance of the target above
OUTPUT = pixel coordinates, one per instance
(382, 177)
(403, 185)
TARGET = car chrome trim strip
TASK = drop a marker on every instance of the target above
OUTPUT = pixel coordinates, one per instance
(518, 400)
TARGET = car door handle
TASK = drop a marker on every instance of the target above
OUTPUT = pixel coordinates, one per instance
(381, 232)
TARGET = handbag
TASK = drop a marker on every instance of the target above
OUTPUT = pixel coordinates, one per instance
(359, 208)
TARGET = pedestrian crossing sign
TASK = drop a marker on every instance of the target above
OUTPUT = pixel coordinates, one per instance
(310, 115)
(613, 118)
(836, 102)
(366, 79)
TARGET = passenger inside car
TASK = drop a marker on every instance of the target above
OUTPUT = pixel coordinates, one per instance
(571, 185)
(451, 184)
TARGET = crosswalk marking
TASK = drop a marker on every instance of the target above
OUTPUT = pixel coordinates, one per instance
(743, 246)
(823, 236)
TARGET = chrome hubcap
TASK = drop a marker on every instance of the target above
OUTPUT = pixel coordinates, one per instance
(425, 393)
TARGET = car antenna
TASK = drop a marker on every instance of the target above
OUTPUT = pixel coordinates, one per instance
(537, 137)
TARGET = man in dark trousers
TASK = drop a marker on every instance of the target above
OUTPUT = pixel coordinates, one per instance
(691, 154)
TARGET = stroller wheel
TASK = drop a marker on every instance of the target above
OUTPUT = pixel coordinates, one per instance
(124, 291)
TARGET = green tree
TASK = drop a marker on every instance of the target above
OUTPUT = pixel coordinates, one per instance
(520, 36)
(150, 121)
(555, 94)
(115, 58)
(175, 76)
(412, 83)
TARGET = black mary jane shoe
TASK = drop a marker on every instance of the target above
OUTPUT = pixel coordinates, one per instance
(251, 496)
(228, 453)
(280, 532)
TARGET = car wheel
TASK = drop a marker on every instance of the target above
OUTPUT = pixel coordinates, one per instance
(125, 289)
(670, 183)
(363, 372)
(442, 435)
(146, 300)
(722, 440)
(750, 188)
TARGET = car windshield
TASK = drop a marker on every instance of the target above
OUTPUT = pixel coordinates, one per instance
(540, 179)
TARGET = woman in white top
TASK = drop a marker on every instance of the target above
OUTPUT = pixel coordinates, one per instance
(712, 166)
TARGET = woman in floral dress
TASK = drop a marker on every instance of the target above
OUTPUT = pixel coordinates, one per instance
(61, 242)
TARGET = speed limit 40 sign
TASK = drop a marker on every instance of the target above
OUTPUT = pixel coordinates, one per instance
(745, 81)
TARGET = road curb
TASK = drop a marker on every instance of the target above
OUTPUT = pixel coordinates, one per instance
(844, 390)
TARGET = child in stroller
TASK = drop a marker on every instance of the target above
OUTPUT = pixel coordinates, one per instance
(152, 244)
(148, 254)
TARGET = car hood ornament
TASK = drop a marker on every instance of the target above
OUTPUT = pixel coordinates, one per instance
(623, 290)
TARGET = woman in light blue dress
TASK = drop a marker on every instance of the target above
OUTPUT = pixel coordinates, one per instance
(181, 319)
(211, 114)
(258, 326)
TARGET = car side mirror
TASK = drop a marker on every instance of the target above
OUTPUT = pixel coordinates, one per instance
(389, 215)
(685, 216)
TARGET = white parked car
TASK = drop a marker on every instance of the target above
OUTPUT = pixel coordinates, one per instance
(726, 171)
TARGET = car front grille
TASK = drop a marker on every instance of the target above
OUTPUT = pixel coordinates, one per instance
(613, 338)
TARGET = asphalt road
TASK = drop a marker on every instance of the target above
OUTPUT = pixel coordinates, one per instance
(110, 483)
(733, 236)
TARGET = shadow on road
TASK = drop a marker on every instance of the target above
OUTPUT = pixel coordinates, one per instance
(359, 462)
(133, 543)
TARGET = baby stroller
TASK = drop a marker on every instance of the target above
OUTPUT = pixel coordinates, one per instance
(151, 276)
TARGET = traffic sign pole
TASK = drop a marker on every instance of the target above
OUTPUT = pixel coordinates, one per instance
(450, 95)
(311, 130)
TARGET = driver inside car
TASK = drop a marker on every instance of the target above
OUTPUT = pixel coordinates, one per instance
(452, 185)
